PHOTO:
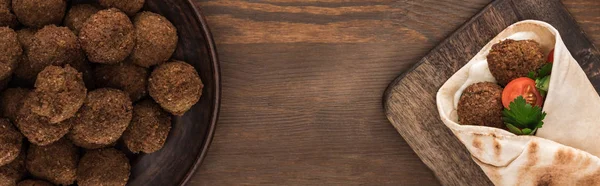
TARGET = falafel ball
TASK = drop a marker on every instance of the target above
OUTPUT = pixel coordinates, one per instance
(11, 101)
(103, 167)
(38, 13)
(56, 162)
(481, 104)
(511, 59)
(125, 76)
(149, 128)
(5, 4)
(11, 142)
(108, 36)
(34, 183)
(54, 45)
(10, 52)
(175, 86)
(78, 14)
(129, 7)
(60, 93)
(103, 118)
(36, 128)
(156, 39)
(13, 172)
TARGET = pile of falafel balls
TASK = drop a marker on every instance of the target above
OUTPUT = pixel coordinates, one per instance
(76, 80)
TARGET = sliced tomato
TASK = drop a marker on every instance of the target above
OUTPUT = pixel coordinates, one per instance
(522, 87)
(551, 56)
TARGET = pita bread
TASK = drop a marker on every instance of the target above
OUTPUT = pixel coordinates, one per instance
(564, 150)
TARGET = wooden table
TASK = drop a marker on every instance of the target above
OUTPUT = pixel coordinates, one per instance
(303, 82)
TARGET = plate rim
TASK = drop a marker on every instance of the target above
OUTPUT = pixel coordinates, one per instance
(212, 52)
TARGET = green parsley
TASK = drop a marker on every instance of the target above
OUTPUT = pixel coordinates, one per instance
(522, 118)
(542, 78)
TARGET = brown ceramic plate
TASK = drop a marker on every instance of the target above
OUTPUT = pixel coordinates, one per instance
(191, 133)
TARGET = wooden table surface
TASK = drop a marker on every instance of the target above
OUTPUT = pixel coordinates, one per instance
(303, 83)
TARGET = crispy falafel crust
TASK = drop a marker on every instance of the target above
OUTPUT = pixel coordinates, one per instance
(149, 128)
(13, 172)
(156, 39)
(103, 167)
(77, 16)
(36, 13)
(175, 86)
(481, 104)
(11, 142)
(103, 118)
(10, 52)
(11, 101)
(130, 7)
(38, 129)
(512, 59)
(60, 93)
(108, 36)
(56, 162)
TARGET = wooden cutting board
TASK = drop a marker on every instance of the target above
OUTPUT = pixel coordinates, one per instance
(410, 102)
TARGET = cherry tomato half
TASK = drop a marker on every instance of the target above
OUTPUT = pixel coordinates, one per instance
(551, 56)
(521, 87)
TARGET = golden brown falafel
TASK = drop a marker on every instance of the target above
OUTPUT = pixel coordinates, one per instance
(107, 37)
(149, 128)
(103, 167)
(5, 4)
(175, 86)
(78, 14)
(124, 76)
(512, 59)
(38, 129)
(156, 39)
(481, 104)
(12, 173)
(130, 7)
(54, 45)
(11, 101)
(60, 93)
(103, 118)
(34, 183)
(56, 162)
(10, 52)
(11, 142)
(38, 13)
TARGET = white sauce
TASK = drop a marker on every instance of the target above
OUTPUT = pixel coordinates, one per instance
(479, 72)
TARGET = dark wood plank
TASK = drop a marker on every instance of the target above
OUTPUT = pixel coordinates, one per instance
(302, 87)
(303, 81)
(410, 99)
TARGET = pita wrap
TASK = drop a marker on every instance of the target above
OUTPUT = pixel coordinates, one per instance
(564, 151)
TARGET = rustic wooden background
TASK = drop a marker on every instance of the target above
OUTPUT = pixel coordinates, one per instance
(303, 82)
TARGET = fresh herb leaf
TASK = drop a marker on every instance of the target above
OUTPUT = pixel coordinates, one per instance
(543, 83)
(545, 70)
(531, 75)
(522, 118)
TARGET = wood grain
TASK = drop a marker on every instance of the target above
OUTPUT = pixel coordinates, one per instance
(303, 81)
(410, 99)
